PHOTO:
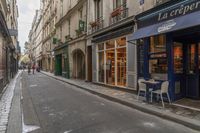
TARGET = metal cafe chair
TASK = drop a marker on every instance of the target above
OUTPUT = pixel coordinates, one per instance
(142, 88)
(164, 90)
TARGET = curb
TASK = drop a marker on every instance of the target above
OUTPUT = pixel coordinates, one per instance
(191, 123)
(4, 89)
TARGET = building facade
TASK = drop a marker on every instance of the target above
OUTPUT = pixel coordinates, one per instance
(167, 36)
(35, 40)
(71, 38)
(9, 46)
(111, 60)
(48, 26)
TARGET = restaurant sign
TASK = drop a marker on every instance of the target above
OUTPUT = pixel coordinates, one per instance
(169, 13)
(166, 26)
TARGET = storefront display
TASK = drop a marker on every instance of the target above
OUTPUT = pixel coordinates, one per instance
(157, 55)
(112, 62)
(178, 58)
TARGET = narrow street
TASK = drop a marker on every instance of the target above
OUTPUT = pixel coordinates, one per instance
(57, 107)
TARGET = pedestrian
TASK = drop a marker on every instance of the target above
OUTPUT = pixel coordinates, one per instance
(29, 68)
(38, 68)
(33, 68)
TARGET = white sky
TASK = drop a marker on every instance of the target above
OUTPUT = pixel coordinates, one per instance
(26, 13)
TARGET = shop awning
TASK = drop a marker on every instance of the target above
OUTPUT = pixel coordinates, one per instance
(179, 23)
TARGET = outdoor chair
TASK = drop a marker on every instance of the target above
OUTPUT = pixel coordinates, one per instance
(142, 87)
(164, 90)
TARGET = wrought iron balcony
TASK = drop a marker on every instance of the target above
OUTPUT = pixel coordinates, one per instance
(119, 14)
(96, 25)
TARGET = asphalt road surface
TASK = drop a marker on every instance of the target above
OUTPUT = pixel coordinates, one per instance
(58, 107)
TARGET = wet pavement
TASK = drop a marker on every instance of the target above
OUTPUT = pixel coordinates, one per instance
(57, 107)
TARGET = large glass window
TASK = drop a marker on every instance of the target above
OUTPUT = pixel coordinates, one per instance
(112, 62)
(158, 44)
(178, 57)
(101, 46)
(191, 58)
(110, 44)
(101, 67)
(121, 66)
(110, 67)
(158, 56)
(121, 42)
(158, 65)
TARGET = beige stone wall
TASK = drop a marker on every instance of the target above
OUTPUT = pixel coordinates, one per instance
(72, 48)
(108, 7)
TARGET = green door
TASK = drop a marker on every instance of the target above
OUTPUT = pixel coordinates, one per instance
(58, 65)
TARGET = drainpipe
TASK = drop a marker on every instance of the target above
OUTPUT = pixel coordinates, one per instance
(86, 57)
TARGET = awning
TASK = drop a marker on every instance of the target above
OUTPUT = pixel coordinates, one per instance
(179, 23)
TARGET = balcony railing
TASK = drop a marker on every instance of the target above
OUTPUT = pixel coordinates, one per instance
(119, 14)
(96, 25)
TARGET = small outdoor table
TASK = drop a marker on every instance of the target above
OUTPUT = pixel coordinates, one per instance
(149, 84)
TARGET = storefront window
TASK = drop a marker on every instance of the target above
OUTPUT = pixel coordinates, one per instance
(101, 46)
(121, 42)
(110, 44)
(158, 56)
(121, 66)
(101, 67)
(110, 67)
(158, 44)
(158, 66)
(112, 62)
(191, 58)
(178, 57)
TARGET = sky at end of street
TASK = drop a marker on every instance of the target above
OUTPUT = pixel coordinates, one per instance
(26, 13)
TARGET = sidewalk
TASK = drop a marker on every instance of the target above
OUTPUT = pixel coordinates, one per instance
(187, 117)
(5, 104)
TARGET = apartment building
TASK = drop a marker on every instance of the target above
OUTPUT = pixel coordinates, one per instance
(8, 41)
(70, 35)
(12, 24)
(48, 26)
(35, 39)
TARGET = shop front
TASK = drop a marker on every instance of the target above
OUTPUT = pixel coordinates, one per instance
(62, 61)
(168, 40)
(111, 62)
(114, 59)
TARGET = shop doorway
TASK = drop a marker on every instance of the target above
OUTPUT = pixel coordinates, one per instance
(58, 65)
(187, 67)
(89, 63)
(192, 71)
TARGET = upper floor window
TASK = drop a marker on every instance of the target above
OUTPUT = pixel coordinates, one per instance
(80, 13)
(118, 3)
(98, 8)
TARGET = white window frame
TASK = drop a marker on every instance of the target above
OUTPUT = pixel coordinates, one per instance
(115, 49)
